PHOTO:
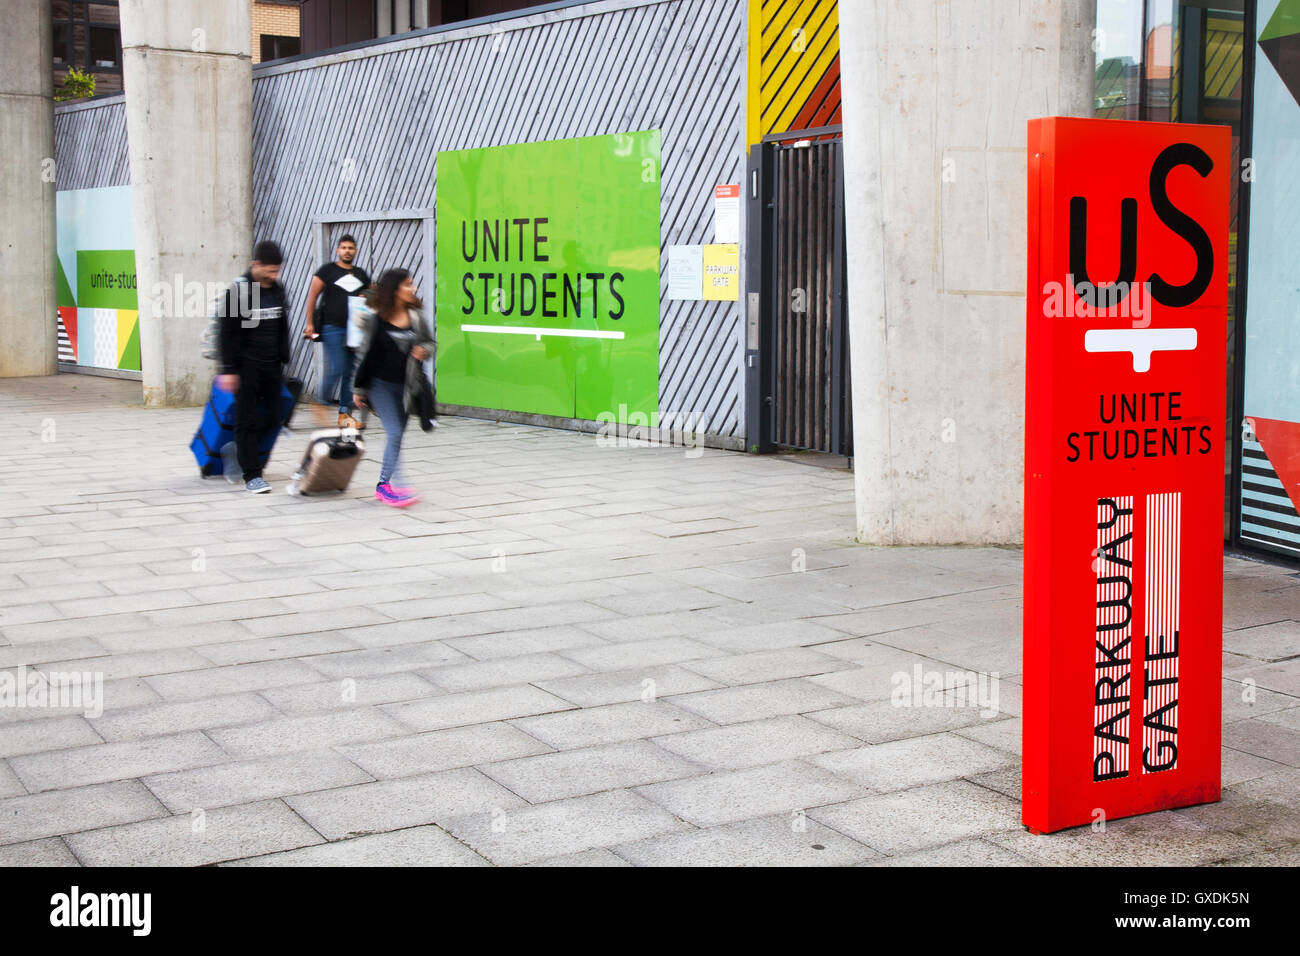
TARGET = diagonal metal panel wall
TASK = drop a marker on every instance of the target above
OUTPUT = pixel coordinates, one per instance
(90, 144)
(359, 131)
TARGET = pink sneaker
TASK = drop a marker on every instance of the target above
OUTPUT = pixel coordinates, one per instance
(394, 496)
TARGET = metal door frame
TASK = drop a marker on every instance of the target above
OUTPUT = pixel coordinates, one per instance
(761, 297)
(424, 215)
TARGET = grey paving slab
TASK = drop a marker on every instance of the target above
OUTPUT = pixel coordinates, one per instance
(584, 858)
(249, 781)
(10, 785)
(754, 743)
(1266, 642)
(621, 656)
(42, 652)
(1241, 701)
(532, 833)
(156, 638)
(100, 763)
(1237, 767)
(766, 666)
(476, 707)
(1167, 839)
(415, 846)
(49, 852)
(529, 641)
(473, 745)
(348, 692)
(766, 637)
(52, 733)
(154, 720)
(396, 804)
(1278, 786)
(81, 808)
(648, 683)
(1282, 677)
(999, 734)
(1285, 856)
(521, 669)
(140, 664)
(384, 660)
(915, 762)
(921, 817)
(790, 840)
(1261, 821)
(881, 721)
(573, 773)
(780, 788)
(963, 853)
(276, 648)
(287, 734)
(610, 723)
(1288, 718)
(645, 627)
(228, 833)
(237, 678)
(1263, 738)
(757, 701)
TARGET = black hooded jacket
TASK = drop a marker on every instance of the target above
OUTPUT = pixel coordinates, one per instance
(246, 332)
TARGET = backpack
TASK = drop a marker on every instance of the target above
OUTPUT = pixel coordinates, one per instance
(210, 344)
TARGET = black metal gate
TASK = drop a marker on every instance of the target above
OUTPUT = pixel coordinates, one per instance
(797, 349)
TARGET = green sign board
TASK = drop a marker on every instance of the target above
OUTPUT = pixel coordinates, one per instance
(548, 276)
(106, 279)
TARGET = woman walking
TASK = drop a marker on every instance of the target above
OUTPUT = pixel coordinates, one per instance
(390, 375)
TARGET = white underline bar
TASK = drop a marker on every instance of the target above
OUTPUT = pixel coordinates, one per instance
(539, 332)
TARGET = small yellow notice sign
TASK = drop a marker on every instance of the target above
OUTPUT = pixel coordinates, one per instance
(722, 273)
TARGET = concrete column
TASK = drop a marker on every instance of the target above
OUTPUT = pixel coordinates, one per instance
(29, 342)
(189, 111)
(936, 98)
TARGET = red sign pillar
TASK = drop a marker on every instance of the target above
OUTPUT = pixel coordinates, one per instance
(1124, 468)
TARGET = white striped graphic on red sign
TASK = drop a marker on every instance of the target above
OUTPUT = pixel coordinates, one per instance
(1160, 625)
(1114, 631)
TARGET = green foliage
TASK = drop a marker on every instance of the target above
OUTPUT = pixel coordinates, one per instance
(75, 86)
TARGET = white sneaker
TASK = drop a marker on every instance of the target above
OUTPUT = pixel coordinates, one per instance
(230, 463)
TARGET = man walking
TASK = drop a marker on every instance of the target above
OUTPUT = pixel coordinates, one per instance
(254, 351)
(333, 284)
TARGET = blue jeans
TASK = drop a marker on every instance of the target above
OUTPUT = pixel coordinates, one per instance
(338, 367)
(386, 398)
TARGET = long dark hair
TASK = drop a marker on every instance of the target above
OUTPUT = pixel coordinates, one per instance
(382, 297)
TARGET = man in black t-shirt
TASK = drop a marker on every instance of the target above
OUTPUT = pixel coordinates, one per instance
(327, 320)
(254, 349)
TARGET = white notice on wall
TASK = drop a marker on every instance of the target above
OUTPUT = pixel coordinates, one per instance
(726, 214)
(686, 272)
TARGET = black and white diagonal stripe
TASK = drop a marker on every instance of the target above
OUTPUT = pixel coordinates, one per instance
(1267, 513)
(66, 354)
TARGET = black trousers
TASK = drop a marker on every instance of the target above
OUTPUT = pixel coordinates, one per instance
(257, 408)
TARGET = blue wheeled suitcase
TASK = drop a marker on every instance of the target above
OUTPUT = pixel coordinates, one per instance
(218, 426)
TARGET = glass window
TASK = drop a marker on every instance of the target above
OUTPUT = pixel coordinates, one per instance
(274, 47)
(61, 37)
(1179, 61)
(1269, 419)
(1117, 42)
(103, 47)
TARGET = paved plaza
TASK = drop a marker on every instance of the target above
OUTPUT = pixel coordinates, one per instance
(567, 654)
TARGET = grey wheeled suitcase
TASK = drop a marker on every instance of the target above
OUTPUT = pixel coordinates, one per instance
(331, 459)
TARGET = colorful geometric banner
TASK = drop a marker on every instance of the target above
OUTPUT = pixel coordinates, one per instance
(97, 297)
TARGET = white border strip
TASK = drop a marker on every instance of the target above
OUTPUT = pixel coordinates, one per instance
(539, 332)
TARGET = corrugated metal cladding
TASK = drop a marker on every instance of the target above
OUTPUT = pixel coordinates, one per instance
(359, 131)
(90, 145)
